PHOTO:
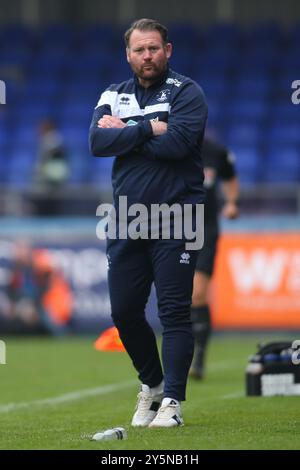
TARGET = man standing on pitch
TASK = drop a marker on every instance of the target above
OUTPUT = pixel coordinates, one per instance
(154, 125)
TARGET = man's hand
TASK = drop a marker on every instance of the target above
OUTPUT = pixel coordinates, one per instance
(159, 127)
(108, 121)
(230, 210)
(231, 196)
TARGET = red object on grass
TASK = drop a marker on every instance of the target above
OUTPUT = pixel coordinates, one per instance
(109, 340)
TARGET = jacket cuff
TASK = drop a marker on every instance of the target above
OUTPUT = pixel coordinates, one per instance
(147, 128)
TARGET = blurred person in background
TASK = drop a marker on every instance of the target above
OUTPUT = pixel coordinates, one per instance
(154, 123)
(218, 165)
(52, 170)
(40, 298)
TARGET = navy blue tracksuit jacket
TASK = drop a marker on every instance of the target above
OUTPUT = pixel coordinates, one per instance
(154, 170)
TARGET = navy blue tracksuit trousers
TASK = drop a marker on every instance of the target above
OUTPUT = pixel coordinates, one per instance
(133, 266)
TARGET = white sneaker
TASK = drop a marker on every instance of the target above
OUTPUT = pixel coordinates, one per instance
(168, 416)
(146, 407)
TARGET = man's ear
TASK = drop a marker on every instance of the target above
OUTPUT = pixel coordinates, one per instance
(127, 55)
(169, 50)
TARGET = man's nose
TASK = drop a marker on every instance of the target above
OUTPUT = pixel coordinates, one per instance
(147, 55)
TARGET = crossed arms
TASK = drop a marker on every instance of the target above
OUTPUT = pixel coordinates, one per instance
(110, 136)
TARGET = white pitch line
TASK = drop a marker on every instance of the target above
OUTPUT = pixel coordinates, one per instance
(223, 365)
(232, 395)
(67, 397)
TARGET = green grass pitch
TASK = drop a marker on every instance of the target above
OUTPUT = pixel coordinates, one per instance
(56, 393)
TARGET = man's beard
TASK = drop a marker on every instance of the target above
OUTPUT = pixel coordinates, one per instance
(156, 73)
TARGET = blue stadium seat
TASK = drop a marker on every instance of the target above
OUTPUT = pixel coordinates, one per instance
(97, 36)
(185, 35)
(19, 58)
(214, 88)
(17, 35)
(26, 135)
(288, 111)
(78, 174)
(245, 111)
(5, 159)
(263, 33)
(282, 165)
(227, 34)
(36, 112)
(4, 152)
(23, 153)
(41, 90)
(248, 163)
(258, 89)
(83, 87)
(294, 34)
(282, 134)
(183, 63)
(21, 168)
(100, 171)
(75, 113)
(4, 137)
(291, 60)
(3, 115)
(214, 63)
(47, 66)
(78, 158)
(57, 37)
(215, 109)
(76, 136)
(220, 49)
(255, 69)
(245, 134)
(261, 59)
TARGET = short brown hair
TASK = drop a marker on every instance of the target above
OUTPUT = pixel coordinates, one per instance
(146, 24)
